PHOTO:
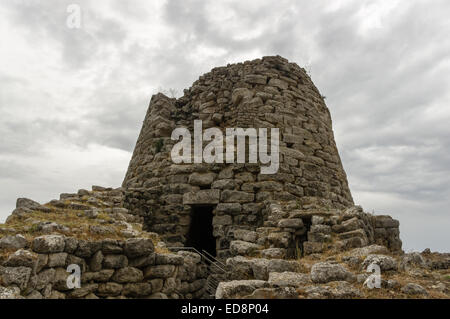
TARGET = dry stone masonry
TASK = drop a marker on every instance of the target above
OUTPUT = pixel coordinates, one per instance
(222, 230)
(264, 93)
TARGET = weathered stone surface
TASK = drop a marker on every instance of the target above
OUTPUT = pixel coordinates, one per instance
(239, 247)
(325, 272)
(273, 253)
(115, 261)
(385, 262)
(168, 259)
(13, 242)
(111, 246)
(27, 203)
(232, 196)
(312, 248)
(208, 196)
(288, 279)
(386, 222)
(83, 291)
(45, 277)
(96, 261)
(48, 244)
(343, 290)
(414, 289)
(411, 261)
(240, 267)
(60, 279)
(57, 260)
(22, 258)
(10, 293)
(143, 261)
(100, 276)
(18, 276)
(128, 275)
(137, 290)
(273, 293)
(109, 289)
(35, 295)
(71, 244)
(159, 271)
(87, 248)
(291, 223)
(368, 250)
(201, 179)
(136, 247)
(229, 208)
(239, 288)
(222, 220)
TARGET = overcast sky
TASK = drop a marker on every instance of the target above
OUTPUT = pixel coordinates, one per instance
(72, 101)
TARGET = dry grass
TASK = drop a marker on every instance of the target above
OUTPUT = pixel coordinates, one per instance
(78, 224)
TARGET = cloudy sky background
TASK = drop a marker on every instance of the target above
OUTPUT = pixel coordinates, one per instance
(72, 101)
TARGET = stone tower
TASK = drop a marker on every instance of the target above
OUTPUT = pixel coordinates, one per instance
(202, 204)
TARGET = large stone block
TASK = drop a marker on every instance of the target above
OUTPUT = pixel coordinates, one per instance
(202, 197)
(231, 196)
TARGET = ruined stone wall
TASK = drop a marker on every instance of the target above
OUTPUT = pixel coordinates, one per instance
(109, 269)
(264, 93)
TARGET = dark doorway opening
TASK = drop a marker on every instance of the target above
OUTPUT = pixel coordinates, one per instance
(200, 235)
(296, 249)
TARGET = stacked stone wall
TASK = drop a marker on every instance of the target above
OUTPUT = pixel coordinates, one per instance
(113, 269)
(264, 93)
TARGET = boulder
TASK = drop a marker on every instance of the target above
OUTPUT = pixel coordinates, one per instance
(128, 275)
(18, 276)
(233, 196)
(412, 260)
(239, 247)
(240, 266)
(294, 223)
(135, 290)
(324, 272)
(44, 278)
(204, 196)
(87, 248)
(96, 261)
(13, 242)
(238, 288)
(159, 271)
(201, 179)
(115, 261)
(414, 289)
(274, 253)
(136, 247)
(48, 244)
(57, 260)
(71, 245)
(100, 276)
(168, 259)
(83, 291)
(10, 293)
(109, 289)
(385, 262)
(27, 203)
(23, 258)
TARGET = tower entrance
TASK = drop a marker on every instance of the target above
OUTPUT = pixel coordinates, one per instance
(200, 235)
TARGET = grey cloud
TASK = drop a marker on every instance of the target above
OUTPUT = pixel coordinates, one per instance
(383, 86)
(45, 21)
